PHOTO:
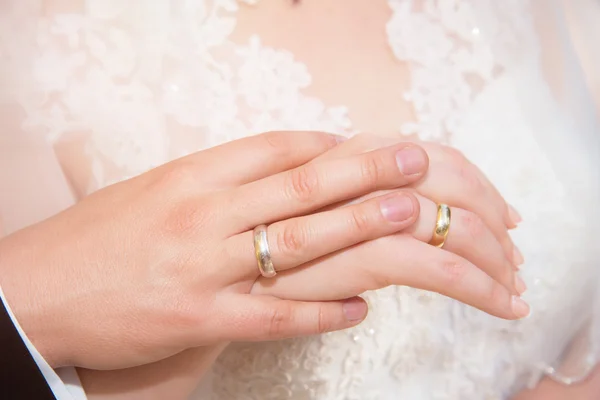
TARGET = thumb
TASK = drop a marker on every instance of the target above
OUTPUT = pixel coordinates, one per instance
(268, 318)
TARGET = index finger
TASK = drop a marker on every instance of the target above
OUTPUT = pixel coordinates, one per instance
(315, 185)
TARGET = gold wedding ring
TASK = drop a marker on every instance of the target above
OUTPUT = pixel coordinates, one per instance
(262, 253)
(442, 226)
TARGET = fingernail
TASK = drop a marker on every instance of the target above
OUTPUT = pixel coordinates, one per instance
(520, 284)
(518, 258)
(514, 215)
(397, 208)
(519, 307)
(411, 160)
(355, 309)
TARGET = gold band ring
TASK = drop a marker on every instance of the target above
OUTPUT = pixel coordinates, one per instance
(442, 226)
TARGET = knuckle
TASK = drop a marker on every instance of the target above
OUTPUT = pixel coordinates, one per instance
(507, 275)
(185, 218)
(360, 221)
(303, 183)
(179, 175)
(277, 320)
(473, 226)
(470, 178)
(496, 295)
(182, 312)
(372, 171)
(378, 280)
(369, 278)
(322, 140)
(454, 155)
(453, 271)
(323, 323)
(292, 239)
(278, 142)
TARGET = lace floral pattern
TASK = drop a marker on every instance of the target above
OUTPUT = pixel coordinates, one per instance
(125, 82)
(151, 81)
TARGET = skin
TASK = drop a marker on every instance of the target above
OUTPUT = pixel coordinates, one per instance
(185, 369)
(450, 245)
(177, 376)
(142, 254)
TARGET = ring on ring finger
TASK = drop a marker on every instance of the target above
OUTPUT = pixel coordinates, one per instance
(262, 252)
(442, 226)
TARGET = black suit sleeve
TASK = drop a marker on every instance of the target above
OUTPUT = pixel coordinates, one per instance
(20, 377)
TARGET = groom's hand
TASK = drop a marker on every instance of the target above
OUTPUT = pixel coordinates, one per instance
(148, 267)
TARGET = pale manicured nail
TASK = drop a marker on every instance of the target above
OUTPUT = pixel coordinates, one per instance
(514, 215)
(411, 160)
(518, 258)
(519, 307)
(397, 208)
(520, 284)
(355, 309)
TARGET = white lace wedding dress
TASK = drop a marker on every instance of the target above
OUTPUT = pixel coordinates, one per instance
(118, 87)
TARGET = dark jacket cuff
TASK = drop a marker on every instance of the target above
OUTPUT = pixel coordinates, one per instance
(20, 377)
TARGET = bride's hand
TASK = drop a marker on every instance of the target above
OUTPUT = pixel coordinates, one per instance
(477, 265)
(148, 267)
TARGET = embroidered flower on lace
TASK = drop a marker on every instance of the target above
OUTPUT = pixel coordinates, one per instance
(464, 48)
(124, 78)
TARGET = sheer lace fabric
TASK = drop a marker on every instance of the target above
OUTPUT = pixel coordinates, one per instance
(131, 85)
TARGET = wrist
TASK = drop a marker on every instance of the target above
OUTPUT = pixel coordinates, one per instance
(26, 295)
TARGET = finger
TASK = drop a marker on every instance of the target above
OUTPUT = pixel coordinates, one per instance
(298, 240)
(394, 260)
(461, 187)
(470, 238)
(358, 144)
(447, 155)
(450, 173)
(262, 318)
(255, 157)
(514, 215)
(503, 206)
(314, 185)
(438, 154)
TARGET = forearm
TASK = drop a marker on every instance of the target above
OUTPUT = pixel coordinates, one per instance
(173, 378)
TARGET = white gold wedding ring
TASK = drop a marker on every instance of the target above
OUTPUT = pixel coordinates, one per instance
(262, 253)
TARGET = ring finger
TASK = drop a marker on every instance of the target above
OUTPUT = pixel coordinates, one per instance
(454, 180)
(471, 238)
(315, 185)
(462, 188)
(299, 240)
(394, 260)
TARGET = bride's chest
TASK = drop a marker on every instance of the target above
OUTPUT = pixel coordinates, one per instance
(126, 86)
(346, 49)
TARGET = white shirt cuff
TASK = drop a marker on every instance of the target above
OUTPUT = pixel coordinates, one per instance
(64, 383)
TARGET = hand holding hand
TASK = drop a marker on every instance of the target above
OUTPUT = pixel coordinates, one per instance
(151, 266)
(477, 265)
